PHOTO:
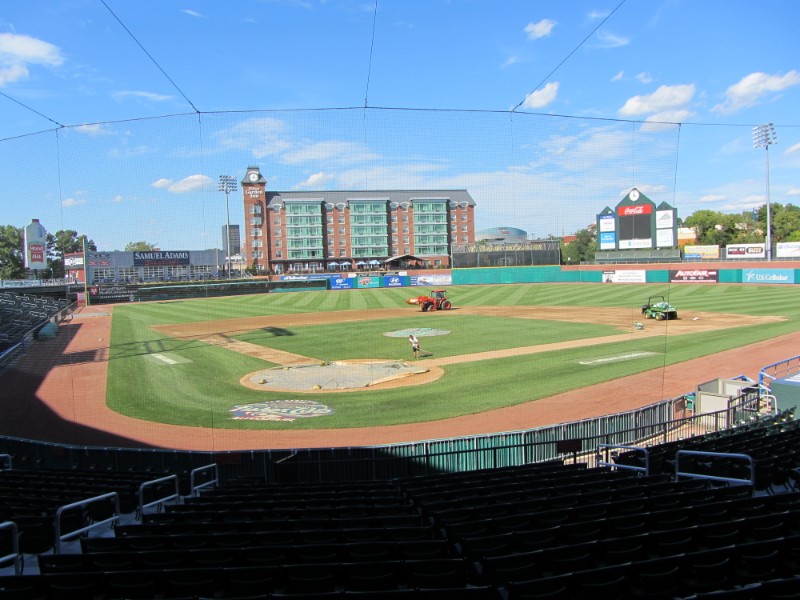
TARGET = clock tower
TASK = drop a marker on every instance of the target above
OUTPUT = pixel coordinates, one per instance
(256, 235)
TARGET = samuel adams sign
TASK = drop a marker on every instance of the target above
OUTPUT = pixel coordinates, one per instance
(160, 259)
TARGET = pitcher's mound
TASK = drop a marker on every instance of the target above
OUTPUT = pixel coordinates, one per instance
(332, 376)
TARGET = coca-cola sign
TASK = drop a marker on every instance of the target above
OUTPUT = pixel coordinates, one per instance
(638, 209)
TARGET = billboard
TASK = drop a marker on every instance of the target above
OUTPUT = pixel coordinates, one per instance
(35, 245)
(701, 252)
(625, 276)
(157, 258)
(693, 276)
(748, 251)
(787, 250)
(768, 276)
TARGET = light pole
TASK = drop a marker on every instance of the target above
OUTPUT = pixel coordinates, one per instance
(763, 137)
(227, 184)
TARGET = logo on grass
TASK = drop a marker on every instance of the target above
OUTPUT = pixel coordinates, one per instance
(280, 410)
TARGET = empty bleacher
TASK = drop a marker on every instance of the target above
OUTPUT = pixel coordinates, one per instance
(549, 530)
(24, 314)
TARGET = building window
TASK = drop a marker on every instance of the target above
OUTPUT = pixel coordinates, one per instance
(257, 243)
(463, 216)
(278, 232)
(278, 254)
(465, 228)
(278, 243)
(341, 218)
(256, 232)
(255, 209)
(255, 220)
(341, 230)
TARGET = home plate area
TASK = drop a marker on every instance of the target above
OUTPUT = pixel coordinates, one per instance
(332, 376)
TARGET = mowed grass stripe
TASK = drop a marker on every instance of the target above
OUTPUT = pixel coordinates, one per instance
(201, 392)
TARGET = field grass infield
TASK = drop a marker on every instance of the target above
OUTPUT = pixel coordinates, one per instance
(187, 381)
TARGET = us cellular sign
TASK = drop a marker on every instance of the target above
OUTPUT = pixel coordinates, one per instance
(768, 276)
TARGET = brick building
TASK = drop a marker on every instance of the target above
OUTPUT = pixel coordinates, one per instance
(348, 230)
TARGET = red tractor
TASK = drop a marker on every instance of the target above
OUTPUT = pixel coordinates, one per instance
(436, 301)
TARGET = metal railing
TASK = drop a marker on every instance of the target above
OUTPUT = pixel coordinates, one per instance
(175, 495)
(14, 554)
(112, 520)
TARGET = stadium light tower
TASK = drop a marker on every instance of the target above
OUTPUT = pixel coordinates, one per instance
(227, 184)
(763, 137)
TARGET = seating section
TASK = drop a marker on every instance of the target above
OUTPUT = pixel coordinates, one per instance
(21, 314)
(548, 530)
(31, 499)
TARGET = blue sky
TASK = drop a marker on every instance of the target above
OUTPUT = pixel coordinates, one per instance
(117, 117)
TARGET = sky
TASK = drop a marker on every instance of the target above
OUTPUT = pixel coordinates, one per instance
(118, 117)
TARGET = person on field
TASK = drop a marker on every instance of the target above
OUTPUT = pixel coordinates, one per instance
(414, 345)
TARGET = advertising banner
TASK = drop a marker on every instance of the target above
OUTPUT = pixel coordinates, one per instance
(665, 219)
(694, 276)
(160, 258)
(99, 259)
(768, 276)
(35, 240)
(608, 240)
(432, 280)
(607, 223)
(707, 252)
(746, 251)
(368, 282)
(625, 276)
(787, 250)
(73, 261)
(635, 244)
(664, 238)
(394, 281)
(342, 283)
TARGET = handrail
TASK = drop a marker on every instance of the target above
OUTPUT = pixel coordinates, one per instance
(7, 459)
(645, 469)
(152, 483)
(746, 457)
(193, 489)
(81, 503)
(14, 547)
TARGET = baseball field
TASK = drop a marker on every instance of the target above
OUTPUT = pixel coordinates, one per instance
(341, 360)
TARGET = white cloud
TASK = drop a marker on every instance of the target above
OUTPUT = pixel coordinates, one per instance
(93, 129)
(543, 97)
(664, 120)
(330, 151)
(192, 183)
(666, 97)
(162, 183)
(315, 181)
(618, 76)
(793, 192)
(793, 149)
(596, 14)
(611, 40)
(539, 30)
(261, 137)
(19, 51)
(644, 78)
(713, 198)
(511, 60)
(752, 88)
(117, 199)
(73, 202)
(139, 95)
(192, 13)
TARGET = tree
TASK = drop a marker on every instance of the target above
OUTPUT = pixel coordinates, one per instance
(12, 263)
(139, 247)
(65, 241)
(582, 248)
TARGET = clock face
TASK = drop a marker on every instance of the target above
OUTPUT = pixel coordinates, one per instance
(634, 195)
(253, 177)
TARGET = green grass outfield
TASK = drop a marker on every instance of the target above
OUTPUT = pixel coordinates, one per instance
(196, 384)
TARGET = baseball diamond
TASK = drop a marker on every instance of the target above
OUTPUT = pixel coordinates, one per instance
(608, 365)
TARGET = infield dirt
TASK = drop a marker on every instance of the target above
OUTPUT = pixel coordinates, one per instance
(57, 392)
